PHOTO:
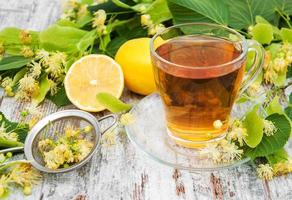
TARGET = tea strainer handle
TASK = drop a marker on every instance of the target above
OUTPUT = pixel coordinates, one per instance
(112, 124)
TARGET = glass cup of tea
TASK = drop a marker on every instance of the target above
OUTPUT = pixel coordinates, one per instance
(199, 70)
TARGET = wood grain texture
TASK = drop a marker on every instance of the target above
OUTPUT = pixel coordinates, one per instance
(121, 171)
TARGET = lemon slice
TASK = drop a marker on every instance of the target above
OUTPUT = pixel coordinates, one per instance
(91, 75)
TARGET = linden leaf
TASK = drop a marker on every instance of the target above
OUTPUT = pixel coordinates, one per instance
(273, 143)
(254, 125)
(112, 103)
(274, 106)
(20, 129)
(278, 156)
(44, 88)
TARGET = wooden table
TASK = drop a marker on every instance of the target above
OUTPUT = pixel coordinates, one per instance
(121, 171)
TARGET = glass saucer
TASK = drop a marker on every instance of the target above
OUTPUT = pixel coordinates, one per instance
(149, 134)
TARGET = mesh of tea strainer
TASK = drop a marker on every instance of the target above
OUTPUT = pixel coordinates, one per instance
(53, 127)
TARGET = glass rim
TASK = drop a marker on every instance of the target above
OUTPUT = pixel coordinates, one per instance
(241, 56)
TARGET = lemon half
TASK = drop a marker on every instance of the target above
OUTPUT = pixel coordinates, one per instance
(91, 75)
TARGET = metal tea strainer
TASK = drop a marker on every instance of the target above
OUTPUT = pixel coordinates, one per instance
(55, 123)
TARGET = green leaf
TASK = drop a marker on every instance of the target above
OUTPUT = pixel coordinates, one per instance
(243, 12)
(44, 88)
(159, 11)
(112, 103)
(19, 75)
(86, 41)
(199, 11)
(60, 99)
(20, 129)
(274, 106)
(61, 38)
(279, 156)
(254, 125)
(13, 45)
(13, 62)
(263, 33)
(281, 79)
(129, 31)
(286, 34)
(273, 143)
(288, 111)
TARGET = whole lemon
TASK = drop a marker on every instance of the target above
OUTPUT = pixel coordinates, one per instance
(134, 58)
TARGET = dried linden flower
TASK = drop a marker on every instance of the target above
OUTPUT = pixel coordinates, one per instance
(71, 148)
(269, 128)
(265, 171)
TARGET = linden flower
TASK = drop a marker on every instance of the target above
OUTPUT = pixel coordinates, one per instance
(28, 86)
(55, 65)
(7, 81)
(25, 37)
(109, 138)
(230, 151)
(269, 128)
(270, 75)
(217, 124)
(289, 57)
(127, 119)
(282, 168)
(279, 64)
(212, 152)
(35, 69)
(53, 87)
(237, 132)
(82, 11)
(155, 28)
(4, 180)
(146, 20)
(268, 56)
(253, 90)
(43, 56)
(265, 171)
(34, 110)
(27, 52)
(100, 1)
(99, 21)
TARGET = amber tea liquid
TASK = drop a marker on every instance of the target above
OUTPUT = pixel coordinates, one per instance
(194, 99)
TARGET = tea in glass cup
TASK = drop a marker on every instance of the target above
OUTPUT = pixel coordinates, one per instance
(198, 71)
